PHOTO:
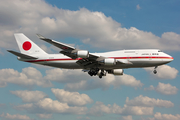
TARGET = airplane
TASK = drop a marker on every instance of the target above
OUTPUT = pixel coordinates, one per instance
(96, 64)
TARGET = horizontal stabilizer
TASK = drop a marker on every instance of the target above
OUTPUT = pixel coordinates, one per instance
(21, 55)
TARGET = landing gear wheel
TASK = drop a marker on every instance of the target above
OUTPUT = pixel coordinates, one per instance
(100, 76)
(93, 72)
(155, 71)
(102, 73)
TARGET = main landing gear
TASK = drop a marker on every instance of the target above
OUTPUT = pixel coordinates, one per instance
(155, 71)
(101, 73)
(97, 71)
(93, 72)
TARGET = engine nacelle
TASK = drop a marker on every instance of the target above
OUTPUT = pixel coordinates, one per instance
(117, 71)
(83, 53)
(109, 61)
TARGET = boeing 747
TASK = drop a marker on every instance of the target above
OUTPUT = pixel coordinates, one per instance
(94, 63)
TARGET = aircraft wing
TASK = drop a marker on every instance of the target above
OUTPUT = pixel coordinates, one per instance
(89, 62)
(57, 44)
(66, 49)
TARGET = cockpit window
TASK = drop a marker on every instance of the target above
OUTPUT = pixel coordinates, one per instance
(159, 51)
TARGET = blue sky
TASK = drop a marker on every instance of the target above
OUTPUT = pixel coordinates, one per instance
(33, 92)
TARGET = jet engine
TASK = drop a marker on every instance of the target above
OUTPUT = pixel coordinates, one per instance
(109, 61)
(83, 54)
(116, 71)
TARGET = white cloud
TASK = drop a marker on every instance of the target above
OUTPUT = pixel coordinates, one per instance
(82, 80)
(105, 83)
(31, 76)
(164, 72)
(129, 117)
(44, 108)
(127, 80)
(133, 110)
(3, 84)
(138, 7)
(138, 106)
(28, 77)
(99, 109)
(48, 105)
(44, 116)
(30, 96)
(8, 116)
(26, 17)
(47, 49)
(148, 102)
(65, 76)
(151, 87)
(166, 89)
(71, 98)
(159, 116)
(171, 39)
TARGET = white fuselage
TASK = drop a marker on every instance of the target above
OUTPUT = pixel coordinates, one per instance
(137, 58)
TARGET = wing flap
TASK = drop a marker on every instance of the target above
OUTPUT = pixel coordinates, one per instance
(21, 55)
(70, 51)
(87, 63)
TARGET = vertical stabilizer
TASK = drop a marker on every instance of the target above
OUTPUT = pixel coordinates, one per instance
(26, 46)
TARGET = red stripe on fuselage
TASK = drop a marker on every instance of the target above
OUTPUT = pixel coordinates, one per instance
(68, 59)
(142, 57)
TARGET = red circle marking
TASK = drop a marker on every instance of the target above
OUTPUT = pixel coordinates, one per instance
(26, 45)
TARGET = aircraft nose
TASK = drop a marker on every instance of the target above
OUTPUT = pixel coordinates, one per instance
(170, 58)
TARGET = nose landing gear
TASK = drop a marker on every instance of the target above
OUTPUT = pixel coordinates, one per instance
(155, 71)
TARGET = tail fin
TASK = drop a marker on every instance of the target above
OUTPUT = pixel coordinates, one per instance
(26, 46)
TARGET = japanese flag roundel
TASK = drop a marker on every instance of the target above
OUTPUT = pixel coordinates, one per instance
(27, 45)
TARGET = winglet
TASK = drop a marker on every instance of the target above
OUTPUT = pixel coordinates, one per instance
(55, 43)
(43, 38)
(40, 36)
